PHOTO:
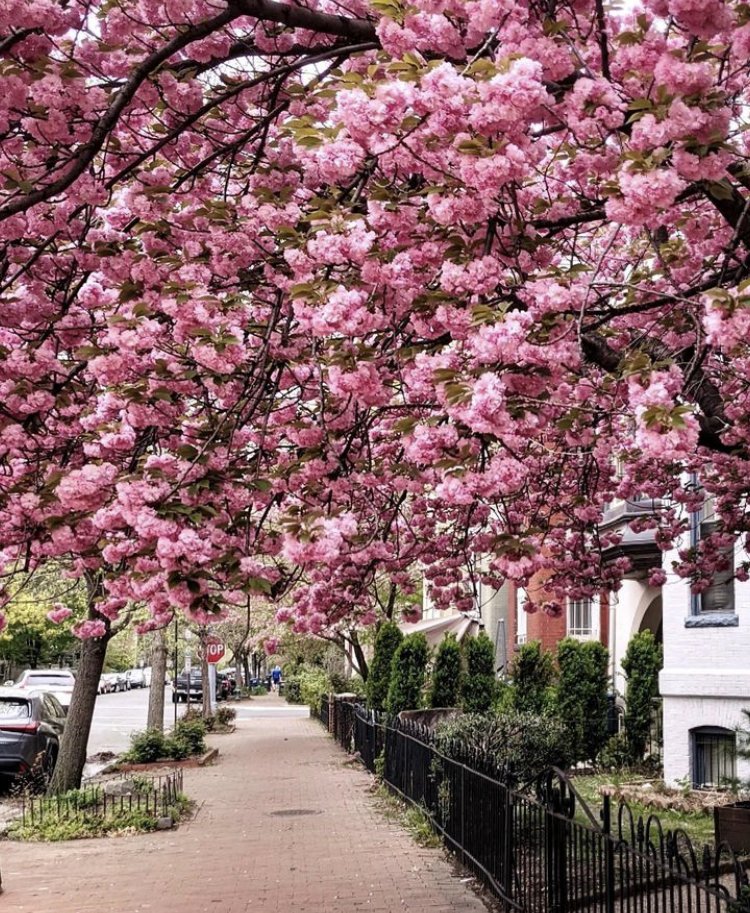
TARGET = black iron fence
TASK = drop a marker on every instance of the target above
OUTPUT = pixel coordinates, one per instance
(149, 795)
(542, 849)
(322, 710)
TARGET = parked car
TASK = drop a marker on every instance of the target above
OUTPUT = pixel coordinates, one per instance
(58, 682)
(180, 687)
(136, 678)
(121, 681)
(31, 725)
(110, 682)
(105, 684)
(226, 684)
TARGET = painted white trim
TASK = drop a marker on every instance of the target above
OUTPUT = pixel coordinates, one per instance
(591, 633)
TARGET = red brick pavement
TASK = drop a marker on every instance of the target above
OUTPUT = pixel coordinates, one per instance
(237, 856)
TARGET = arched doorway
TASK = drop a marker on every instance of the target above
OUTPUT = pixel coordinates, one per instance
(652, 619)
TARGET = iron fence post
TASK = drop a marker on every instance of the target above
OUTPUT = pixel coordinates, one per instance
(556, 852)
(609, 857)
(507, 880)
(463, 815)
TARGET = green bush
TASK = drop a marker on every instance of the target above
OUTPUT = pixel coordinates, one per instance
(479, 685)
(616, 753)
(387, 641)
(408, 674)
(446, 674)
(145, 747)
(193, 733)
(292, 690)
(225, 716)
(582, 696)
(306, 685)
(641, 665)
(314, 683)
(341, 684)
(177, 748)
(187, 738)
(523, 744)
(532, 673)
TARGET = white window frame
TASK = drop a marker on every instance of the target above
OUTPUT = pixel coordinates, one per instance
(522, 618)
(573, 626)
(700, 526)
(713, 749)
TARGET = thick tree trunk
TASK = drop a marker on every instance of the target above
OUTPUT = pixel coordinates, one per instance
(158, 674)
(360, 662)
(69, 768)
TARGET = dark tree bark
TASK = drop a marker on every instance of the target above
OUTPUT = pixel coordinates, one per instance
(74, 744)
(359, 656)
(155, 718)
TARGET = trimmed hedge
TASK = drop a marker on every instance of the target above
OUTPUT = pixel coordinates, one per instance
(641, 665)
(387, 641)
(479, 686)
(532, 674)
(582, 696)
(521, 744)
(408, 669)
(446, 674)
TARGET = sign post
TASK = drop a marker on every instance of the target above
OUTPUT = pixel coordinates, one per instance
(214, 650)
(214, 653)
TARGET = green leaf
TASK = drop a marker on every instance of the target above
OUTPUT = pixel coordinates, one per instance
(259, 584)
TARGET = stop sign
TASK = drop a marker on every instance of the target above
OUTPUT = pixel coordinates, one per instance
(214, 650)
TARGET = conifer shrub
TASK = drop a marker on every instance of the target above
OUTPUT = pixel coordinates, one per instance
(479, 685)
(408, 669)
(532, 674)
(446, 674)
(387, 641)
(641, 665)
(582, 696)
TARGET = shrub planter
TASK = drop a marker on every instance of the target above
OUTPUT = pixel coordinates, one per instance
(732, 825)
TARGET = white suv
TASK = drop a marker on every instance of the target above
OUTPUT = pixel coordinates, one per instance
(58, 682)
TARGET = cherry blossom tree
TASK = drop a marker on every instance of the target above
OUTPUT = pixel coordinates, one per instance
(297, 295)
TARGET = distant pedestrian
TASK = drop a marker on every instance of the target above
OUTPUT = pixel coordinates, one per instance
(276, 677)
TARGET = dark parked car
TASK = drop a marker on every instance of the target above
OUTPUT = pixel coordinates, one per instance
(180, 687)
(226, 684)
(31, 724)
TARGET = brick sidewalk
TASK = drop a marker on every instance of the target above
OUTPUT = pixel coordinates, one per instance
(283, 826)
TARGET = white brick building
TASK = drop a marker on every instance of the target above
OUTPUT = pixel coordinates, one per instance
(705, 682)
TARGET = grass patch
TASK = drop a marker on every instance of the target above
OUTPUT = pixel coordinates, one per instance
(697, 825)
(408, 816)
(88, 821)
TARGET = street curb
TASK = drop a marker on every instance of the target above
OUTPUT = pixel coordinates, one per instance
(208, 757)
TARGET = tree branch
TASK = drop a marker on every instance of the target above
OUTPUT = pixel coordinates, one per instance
(302, 18)
(701, 390)
(86, 154)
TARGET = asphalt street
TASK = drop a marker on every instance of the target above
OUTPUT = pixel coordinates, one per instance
(120, 714)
